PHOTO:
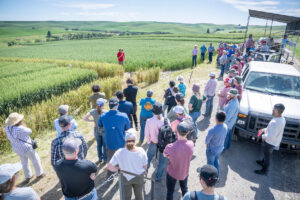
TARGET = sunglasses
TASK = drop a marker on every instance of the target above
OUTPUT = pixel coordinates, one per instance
(128, 141)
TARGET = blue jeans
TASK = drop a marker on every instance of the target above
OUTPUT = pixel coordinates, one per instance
(227, 142)
(101, 146)
(143, 124)
(210, 55)
(209, 105)
(227, 65)
(161, 160)
(202, 56)
(222, 70)
(195, 116)
(213, 159)
(92, 196)
(194, 61)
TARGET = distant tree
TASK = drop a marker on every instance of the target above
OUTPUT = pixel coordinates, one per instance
(66, 29)
(48, 34)
(239, 25)
(208, 31)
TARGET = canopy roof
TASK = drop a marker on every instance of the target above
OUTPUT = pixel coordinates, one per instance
(273, 16)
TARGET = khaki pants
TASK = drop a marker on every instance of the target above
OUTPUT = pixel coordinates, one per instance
(35, 160)
(137, 185)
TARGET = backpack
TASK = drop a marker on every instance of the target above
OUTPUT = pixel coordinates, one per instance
(165, 136)
(193, 196)
(190, 122)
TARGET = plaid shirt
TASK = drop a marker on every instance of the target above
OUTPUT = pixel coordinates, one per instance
(17, 133)
(56, 146)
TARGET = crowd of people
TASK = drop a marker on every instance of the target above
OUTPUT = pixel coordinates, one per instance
(170, 129)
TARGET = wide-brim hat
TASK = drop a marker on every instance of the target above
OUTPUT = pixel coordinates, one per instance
(7, 171)
(233, 92)
(13, 119)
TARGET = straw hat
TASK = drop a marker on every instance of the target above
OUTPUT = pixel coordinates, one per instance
(13, 119)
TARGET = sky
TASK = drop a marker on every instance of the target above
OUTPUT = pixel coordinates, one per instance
(183, 11)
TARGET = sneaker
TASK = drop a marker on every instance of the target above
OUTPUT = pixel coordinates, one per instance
(41, 176)
(261, 172)
(98, 162)
(260, 162)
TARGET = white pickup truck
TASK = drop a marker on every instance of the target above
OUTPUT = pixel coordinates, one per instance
(265, 84)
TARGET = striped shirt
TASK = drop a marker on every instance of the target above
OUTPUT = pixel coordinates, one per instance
(17, 133)
(56, 146)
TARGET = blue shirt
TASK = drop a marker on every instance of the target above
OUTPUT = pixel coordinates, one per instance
(147, 105)
(126, 107)
(231, 110)
(233, 47)
(230, 52)
(115, 124)
(202, 196)
(58, 128)
(182, 88)
(203, 49)
(211, 49)
(216, 137)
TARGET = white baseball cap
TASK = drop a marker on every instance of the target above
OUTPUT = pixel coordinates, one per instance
(8, 170)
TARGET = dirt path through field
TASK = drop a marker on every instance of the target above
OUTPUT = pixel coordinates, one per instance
(237, 180)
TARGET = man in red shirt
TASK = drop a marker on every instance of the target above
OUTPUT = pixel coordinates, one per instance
(220, 53)
(121, 56)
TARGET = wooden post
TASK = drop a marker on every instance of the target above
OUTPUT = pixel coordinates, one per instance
(271, 28)
(246, 33)
(266, 28)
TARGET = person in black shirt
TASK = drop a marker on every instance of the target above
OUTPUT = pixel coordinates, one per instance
(170, 101)
(76, 176)
(130, 93)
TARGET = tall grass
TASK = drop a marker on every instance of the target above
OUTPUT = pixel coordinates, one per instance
(40, 116)
(148, 76)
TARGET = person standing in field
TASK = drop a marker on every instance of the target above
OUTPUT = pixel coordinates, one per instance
(211, 50)
(9, 174)
(121, 56)
(208, 179)
(76, 176)
(18, 135)
(125, 106)
(180, 115)
(146, 113)
(179, 154)
(56, 144)
(220, 53)
(115, 125)
(130, 94)
(223, 93)
(64, 110)
(223, 61)
(168, 92)
(271, 137)
(249, 44)
(195, 105)
(203, 50)
(130, 159)
(231, 110)
(209, 92)
(284, 41)
(194, 54)
(215, 141)
(98, 132)
(152, 128)
(170, 101)
(238, 85)
(181, 85)
(180, 101)
(96, 95)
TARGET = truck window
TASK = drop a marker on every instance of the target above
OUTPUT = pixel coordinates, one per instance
(274, 58)
(245, 73)
(259, 57)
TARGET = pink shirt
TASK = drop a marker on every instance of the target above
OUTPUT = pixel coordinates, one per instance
(223, 99)
(240, 90)
(180, 154)
(152, 128)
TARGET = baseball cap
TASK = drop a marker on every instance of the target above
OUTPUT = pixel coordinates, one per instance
(179, 96)
(113, 102)
(149, 93)
(100, 102)
(178, 109)
(71, 144)
(212, 74)
(238, 79)
(157, 108)
(180, 78)
(64, 120)
(63, 109)
(233, 92)
(130, 133)
(183, 128)
(7, 171)
(227, 80)
(209, 173)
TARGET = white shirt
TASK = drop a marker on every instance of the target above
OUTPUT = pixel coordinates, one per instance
(130, 161)
(274, 131)
(19, 137)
